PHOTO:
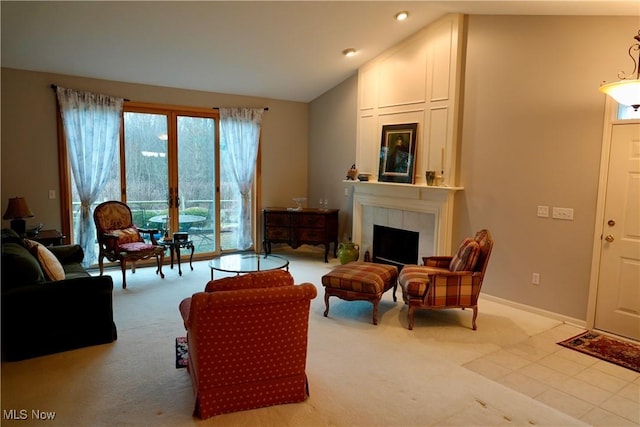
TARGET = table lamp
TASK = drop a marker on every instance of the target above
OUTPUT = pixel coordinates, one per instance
(16, 211)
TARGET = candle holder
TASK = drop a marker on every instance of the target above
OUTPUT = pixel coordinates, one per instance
(431, 177)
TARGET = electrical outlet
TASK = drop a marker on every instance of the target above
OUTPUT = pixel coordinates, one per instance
(543, 211)
(535, 278)
(563, 213)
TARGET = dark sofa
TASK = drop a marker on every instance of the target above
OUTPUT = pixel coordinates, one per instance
(42, 317)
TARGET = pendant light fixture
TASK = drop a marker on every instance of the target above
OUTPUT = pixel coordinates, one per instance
(626, 91)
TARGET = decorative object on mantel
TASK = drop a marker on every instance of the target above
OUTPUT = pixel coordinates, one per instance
(348, 252)
(397, 153)
(626, 91)
(352, 173)
(430, 177)
(17, 211)
(364, 176)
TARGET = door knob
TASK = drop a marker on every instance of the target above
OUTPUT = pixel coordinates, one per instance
(609, 238)
(611, 222)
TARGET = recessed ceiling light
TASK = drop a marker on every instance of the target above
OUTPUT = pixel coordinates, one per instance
(349, 52)
(401, 16)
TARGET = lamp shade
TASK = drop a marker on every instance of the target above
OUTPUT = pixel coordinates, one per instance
(625, 92)
(17, 208)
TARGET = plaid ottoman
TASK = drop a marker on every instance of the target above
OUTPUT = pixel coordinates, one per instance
(360, 281)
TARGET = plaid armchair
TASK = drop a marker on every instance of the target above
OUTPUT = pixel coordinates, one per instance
(247, 342)
(448, 281)
(120, 240)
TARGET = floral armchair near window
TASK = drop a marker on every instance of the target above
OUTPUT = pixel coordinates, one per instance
(119, 240)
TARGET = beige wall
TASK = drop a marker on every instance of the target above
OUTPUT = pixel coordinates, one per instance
(332, 150)
(531, 135)
(29, 145)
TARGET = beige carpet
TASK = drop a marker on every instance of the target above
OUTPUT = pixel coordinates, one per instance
(359, 374)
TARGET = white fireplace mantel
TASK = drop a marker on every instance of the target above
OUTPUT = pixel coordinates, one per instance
(407, 198)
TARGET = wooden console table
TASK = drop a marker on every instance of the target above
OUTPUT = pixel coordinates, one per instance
(48, 237)
(306, 226)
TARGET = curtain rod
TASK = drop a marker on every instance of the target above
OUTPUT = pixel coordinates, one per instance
(265, 108)
(54, 87)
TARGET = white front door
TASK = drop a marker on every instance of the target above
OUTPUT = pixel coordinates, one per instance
(618, 297)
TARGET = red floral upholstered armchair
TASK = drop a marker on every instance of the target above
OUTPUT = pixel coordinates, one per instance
(119, 240)
(448, 281)
(247, 340)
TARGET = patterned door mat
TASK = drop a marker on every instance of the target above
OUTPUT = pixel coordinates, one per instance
(622, 353)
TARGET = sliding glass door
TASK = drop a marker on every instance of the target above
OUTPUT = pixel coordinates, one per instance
(170, 173)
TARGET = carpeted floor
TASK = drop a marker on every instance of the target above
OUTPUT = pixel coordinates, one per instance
(619, 352)
(359, 374)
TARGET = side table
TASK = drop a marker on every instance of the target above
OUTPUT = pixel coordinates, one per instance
(48, 237)
(175, 246)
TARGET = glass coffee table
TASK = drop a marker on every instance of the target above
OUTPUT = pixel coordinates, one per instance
(247, 263)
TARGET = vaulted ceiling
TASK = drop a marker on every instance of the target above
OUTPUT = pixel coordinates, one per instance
(289, 50)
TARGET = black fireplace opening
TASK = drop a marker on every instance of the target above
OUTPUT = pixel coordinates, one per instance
(394, 246)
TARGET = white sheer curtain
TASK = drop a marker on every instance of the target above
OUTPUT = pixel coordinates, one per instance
(240, 133)
(91, 125)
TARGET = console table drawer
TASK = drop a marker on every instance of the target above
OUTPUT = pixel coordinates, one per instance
(312, 221)
(312, 235)
(277, 233)
(277, 219)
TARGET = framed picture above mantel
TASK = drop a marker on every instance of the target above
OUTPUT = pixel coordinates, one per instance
(398, 153)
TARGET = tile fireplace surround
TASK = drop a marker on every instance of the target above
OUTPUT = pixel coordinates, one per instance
(426, 210)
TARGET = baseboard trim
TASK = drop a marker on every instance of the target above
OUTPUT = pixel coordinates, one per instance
(565, 319)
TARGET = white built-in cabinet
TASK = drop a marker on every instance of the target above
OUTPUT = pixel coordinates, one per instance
(416, 81)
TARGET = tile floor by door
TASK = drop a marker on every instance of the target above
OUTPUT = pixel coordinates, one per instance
(594, 391)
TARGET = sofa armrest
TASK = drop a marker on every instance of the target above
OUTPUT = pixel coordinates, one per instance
(68, 254)
(45, 318)
(75, 288)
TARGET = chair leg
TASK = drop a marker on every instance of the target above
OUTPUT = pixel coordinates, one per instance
(326, 303)
(123, 267)
(160, 261)
(101, 264)
(475, 315)
(410, 317)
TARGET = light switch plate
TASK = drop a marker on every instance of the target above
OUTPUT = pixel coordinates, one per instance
(543, 211)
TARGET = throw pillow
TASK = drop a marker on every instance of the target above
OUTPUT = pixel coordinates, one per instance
(48, 261)
(127, 235)
(466, 256)
(19, 266)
